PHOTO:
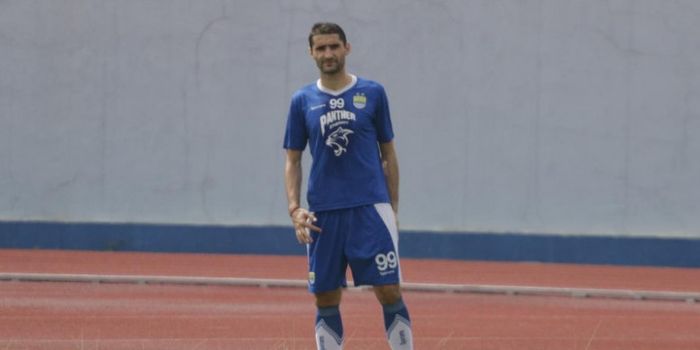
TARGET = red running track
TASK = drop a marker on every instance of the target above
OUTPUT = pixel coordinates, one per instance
(86, 316)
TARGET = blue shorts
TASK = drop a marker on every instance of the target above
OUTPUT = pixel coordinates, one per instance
(364, 237)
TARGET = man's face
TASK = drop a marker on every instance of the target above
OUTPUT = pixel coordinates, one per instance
(329, 53)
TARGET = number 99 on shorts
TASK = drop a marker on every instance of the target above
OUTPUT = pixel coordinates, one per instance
(386, 261)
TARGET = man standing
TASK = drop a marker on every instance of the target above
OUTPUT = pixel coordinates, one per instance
(353, 189)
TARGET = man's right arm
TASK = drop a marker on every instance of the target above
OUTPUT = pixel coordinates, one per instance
(292, 179)
(302, 219)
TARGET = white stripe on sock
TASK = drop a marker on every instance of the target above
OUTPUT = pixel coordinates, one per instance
(326, 338)
(399, 334)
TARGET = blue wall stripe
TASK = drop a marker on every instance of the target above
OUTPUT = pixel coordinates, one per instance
(673, 252)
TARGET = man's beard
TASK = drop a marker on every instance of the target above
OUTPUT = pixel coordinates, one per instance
(330, 70)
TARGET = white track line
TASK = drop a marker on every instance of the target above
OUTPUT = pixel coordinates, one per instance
(689, 297)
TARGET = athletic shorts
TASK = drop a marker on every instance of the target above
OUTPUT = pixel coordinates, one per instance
(366, 238)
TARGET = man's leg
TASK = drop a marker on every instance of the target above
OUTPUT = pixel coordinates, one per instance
(327, 266)
(396, 319)
(373, 255)
(329, 325)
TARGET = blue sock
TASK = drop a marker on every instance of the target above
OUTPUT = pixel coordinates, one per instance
(329, 328)
(398, 326)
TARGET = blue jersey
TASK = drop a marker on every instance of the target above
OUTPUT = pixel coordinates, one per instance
(342, 129)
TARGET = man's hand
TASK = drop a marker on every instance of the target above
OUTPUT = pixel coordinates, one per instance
(303, 220)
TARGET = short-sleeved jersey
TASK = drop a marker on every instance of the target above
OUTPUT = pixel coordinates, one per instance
(343, 129)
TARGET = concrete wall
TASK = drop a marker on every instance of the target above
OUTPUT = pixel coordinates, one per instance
(544, 116)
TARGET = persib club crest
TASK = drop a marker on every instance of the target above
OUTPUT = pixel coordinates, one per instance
(359, 100)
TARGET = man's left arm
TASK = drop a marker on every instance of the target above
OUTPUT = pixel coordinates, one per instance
(390, 164)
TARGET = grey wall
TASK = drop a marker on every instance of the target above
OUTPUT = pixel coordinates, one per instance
(543, 116)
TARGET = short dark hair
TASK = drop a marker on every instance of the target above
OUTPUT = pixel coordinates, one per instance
(326, 28)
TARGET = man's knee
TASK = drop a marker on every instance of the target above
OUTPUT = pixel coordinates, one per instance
(388, 294)
(326, 299)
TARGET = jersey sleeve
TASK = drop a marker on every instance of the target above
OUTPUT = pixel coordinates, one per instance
(382, 119)
(295, 135)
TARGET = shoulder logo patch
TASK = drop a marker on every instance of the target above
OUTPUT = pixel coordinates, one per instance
(359, 100)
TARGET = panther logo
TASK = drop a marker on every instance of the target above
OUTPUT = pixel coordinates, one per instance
(338, 140)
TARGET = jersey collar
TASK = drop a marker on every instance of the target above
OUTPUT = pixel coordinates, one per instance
(352, 83)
